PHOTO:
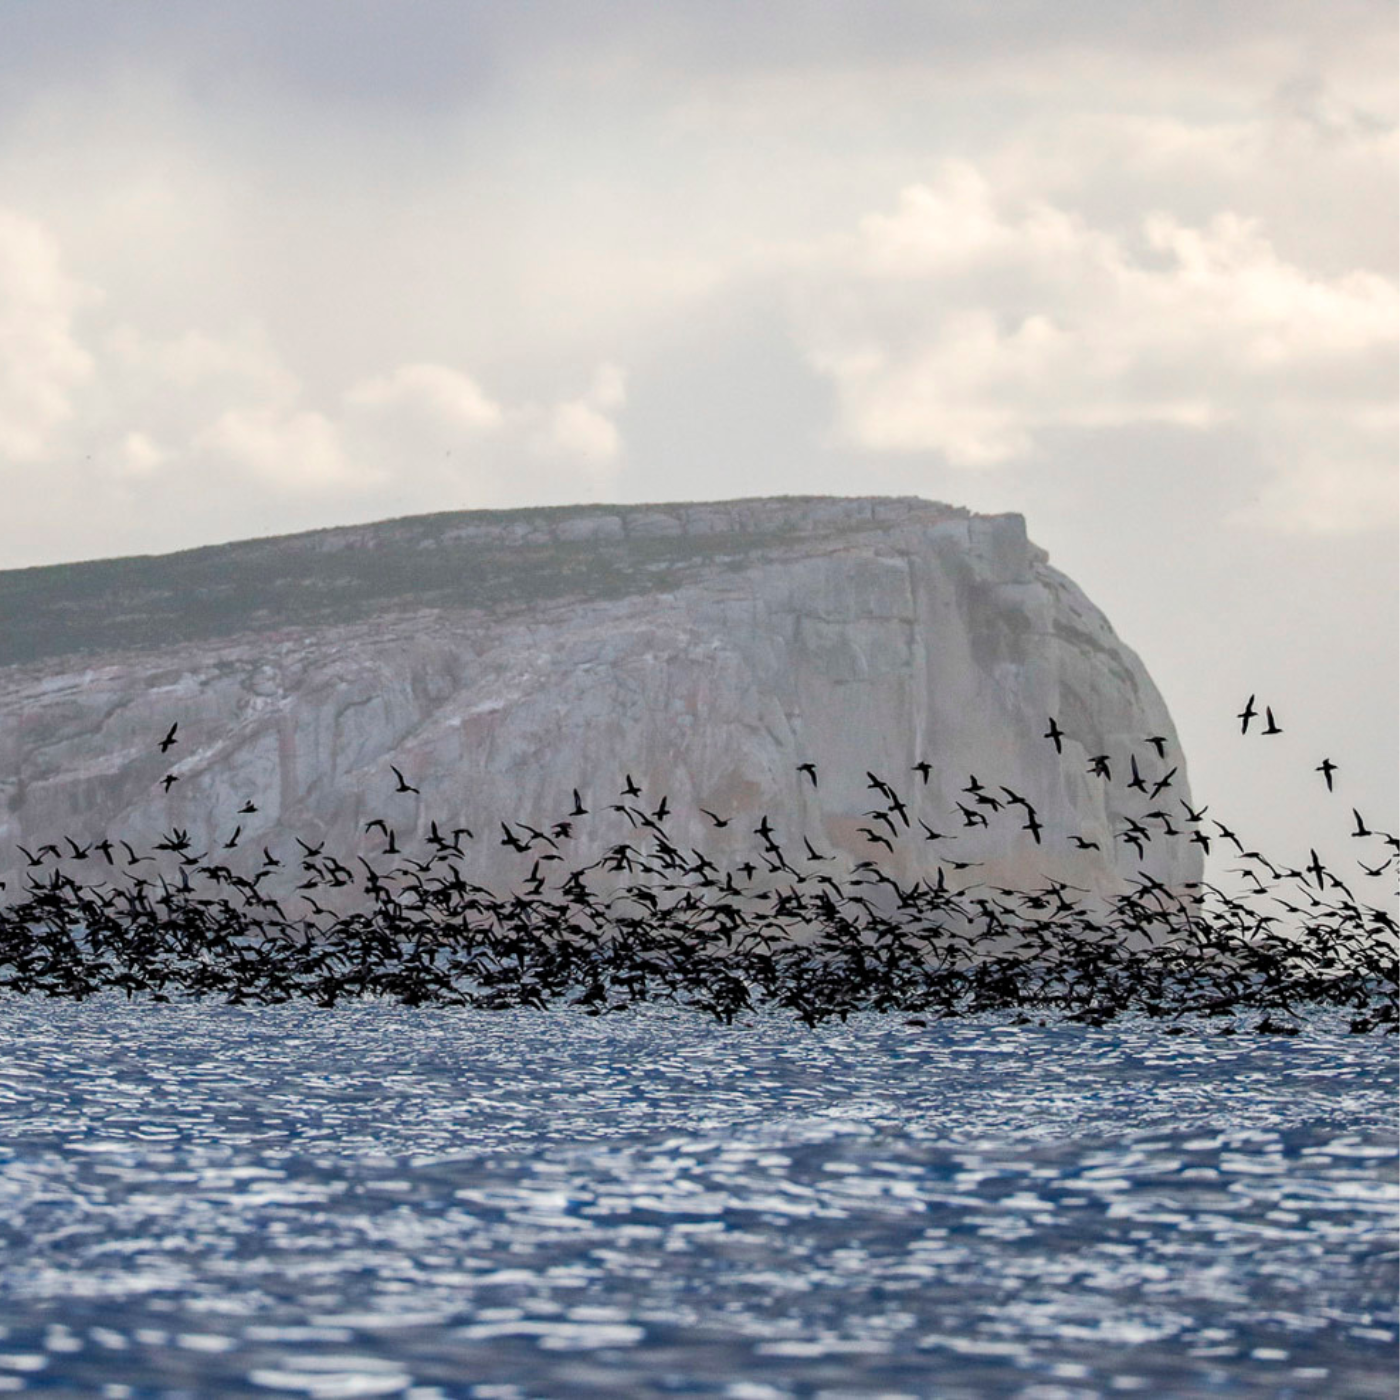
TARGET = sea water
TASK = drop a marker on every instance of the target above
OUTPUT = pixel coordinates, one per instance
(206, 1200)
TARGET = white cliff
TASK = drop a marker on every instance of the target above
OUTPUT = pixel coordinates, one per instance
(502, 660)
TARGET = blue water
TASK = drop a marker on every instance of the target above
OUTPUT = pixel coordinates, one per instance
(200, 1200)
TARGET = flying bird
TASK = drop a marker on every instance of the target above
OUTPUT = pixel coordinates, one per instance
(404, 784)
(810, 769)
(1272, 727)
(1326, 768)
(1246, 714)
(170, 737)
(1055, 733)
(1159, 743)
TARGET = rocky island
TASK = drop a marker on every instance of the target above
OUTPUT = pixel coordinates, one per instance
(520, 666)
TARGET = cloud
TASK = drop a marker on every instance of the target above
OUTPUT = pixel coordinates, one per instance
(970, 324)
(582, 428)
(42, 364)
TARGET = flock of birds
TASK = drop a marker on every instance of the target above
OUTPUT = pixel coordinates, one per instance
(650, 920)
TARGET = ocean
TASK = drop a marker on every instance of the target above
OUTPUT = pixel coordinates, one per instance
(199, 1199)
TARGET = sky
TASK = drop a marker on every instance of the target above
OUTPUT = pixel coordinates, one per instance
(1130, 270)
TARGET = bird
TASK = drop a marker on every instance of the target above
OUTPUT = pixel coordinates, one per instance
(403, 784)
(810, 769)
(716, 820)
(169, 781)
(1326, 768)
(1137, 781)
(170, 737)
(1361, 828)
(630, 789)
(1246, 714)
(923, 768)
(579, 810)
(1269, 718)
(1163, 782)
(1055, 733)
(247, 809)
(1099, 767)
(1159, 743)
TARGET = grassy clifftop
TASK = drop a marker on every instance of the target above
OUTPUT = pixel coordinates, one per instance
(459, 559)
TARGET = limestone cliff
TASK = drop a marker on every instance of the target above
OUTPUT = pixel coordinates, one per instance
(502, 660)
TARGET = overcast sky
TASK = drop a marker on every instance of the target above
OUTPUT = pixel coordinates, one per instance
(1129, 269)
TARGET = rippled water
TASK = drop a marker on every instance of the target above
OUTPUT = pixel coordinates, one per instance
(207, 1200)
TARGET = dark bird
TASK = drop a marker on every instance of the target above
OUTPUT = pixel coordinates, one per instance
(661, 809)
(718, 821)
(1086, 845)
(169, 781)
(1138, 781)
(1326, 768)
(170, 737)
(1033, 826)
(874, 836)
(1055, 733)
(1246, 714)
(1315, 868)
(1098, 766)
(1163, 782)
(923, 769)
(1272, 727)
(631, 789)
(1159, 743)
(1194, 816)
(1361, 828)
(579, 809)
(931, 835)
(247, 809)
(233, 840)
(810, 769)
(404, 784)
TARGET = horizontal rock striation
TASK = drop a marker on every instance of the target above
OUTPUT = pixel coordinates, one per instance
(503, 660)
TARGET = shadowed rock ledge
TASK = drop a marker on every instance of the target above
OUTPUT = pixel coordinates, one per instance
(502, 659)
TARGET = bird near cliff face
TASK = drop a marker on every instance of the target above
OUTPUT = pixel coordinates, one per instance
(170, 737)
(1056, 734)
(403, 784)
(810, 769)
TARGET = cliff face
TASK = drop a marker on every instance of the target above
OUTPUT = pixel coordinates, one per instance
(503, 660)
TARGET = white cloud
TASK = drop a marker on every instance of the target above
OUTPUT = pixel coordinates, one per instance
(436, 392)
(41, 362)
(969, 325)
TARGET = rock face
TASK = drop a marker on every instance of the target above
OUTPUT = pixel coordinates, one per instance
(502, 660)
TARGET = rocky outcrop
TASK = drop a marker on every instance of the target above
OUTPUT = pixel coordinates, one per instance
(503, 660)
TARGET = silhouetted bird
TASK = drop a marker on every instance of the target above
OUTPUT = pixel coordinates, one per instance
(810, 769)
(403, 784)
(1272, 727)
(579, 810)
(169, 781)
(718, 821)
(1159, 743)
(170, 737)
(1055, 733)
(1246, 714)
(1098, 767)
(1137, 780)
(923, 768)
(1326, 768)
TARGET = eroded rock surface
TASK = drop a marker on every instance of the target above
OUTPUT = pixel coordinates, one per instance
(502, 660)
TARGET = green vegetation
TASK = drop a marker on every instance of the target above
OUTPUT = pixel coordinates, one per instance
(328, 577)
